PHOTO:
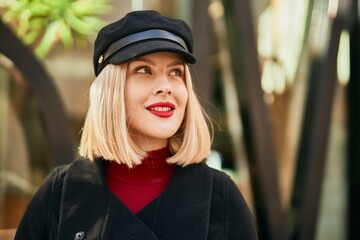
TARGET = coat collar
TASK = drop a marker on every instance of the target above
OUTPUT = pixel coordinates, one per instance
(88, 206)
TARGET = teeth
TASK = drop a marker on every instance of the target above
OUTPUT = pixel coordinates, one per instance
(160, 109)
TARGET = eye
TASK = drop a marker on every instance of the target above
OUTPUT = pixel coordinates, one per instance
(143, 69)
(178, 72)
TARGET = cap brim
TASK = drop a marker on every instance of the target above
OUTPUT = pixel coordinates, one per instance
(139, 49)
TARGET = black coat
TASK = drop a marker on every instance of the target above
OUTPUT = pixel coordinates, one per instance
(75, 203)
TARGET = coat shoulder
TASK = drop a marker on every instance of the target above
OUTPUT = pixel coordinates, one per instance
(229, 209)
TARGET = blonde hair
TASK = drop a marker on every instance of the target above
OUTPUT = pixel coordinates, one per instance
(105, 132)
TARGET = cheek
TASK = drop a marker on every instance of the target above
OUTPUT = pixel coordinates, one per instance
(183, 95)
(133, 95)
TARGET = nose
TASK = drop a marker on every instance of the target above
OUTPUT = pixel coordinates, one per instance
(166, 91)
(163, 86)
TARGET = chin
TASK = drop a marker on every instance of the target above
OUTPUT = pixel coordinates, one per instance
(164, 135)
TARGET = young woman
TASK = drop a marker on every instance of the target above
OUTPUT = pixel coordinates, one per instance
(144, 143)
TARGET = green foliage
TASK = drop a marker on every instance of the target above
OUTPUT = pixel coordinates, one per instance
(44, 23)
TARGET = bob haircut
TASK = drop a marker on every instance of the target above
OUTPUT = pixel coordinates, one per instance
(105, 133)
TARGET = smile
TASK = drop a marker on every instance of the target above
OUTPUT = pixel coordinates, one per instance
(161, 109)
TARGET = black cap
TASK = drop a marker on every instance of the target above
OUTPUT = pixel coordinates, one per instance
(140, 33)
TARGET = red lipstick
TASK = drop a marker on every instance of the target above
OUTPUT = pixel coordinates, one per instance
(162, 109)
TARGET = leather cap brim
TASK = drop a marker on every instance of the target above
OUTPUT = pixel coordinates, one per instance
(142, 48)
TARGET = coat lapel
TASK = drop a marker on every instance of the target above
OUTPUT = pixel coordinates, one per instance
(183, 210)
(90, 209)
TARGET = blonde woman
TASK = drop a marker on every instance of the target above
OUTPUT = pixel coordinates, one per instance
(145, 139)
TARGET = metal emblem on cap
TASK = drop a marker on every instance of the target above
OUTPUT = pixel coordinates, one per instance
(101, 58)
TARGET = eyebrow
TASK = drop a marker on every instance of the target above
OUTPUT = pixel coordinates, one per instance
(151, 62)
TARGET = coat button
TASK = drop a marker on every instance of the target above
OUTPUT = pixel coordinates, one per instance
(79, 235)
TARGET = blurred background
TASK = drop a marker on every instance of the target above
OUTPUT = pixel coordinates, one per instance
(279, 78)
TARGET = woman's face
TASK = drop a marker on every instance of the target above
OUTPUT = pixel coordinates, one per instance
(155, 98)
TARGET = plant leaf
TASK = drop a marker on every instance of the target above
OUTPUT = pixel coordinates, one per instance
(31, 36)
(65, 34)
(90, 8)
(48, 39)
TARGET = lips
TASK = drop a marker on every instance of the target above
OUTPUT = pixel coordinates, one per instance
(161, 109)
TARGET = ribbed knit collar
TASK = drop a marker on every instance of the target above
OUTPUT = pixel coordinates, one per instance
(152, 169)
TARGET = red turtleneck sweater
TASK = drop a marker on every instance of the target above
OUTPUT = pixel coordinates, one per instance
(139, 186)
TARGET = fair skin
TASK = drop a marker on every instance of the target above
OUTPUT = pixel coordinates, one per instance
(155, 98)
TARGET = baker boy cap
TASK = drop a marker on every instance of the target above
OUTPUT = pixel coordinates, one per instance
(140, 33)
